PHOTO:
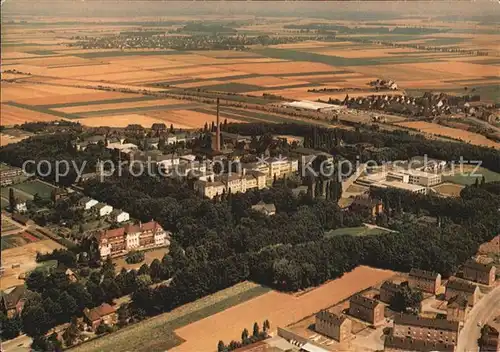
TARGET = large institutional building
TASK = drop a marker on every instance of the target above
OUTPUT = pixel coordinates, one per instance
(231, 184)
(120, 241)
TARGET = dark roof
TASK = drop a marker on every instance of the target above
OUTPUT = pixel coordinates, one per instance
(414, 320)
(461, 285)
(10, 300)
(473, 265)
(458, 301)
(390, 286)
(409, 344)
(364, 301)
(330, 317)
(424, 274)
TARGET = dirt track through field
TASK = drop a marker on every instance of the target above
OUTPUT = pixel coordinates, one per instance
(279, 308)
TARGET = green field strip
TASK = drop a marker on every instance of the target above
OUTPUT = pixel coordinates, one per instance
(266, 117)
(444, 40)
(137, 109)
(43, 110)
(317, 73)
(225, 115)
(6, 45)
(294, 55)
(98, 102)
(299, 85)
(42, 52)
(232, 87)
(117, 53)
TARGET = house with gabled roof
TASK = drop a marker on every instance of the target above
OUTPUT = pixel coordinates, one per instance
(337, 327)
(366, 309)
(423, 280)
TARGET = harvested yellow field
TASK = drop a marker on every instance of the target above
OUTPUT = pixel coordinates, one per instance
(12, 115)
(184, 118)
(435, 129)
(86, 71)
(191, 70)
(93, 95)
(132, 104)
(269, 81)
(196, 84)
(123, 77)
(454, 68)
(219, 74)
(28, 92)
(282, 67)
(119, 120)
(279, 308)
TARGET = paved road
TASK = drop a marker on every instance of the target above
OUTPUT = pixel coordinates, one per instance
(485, 310)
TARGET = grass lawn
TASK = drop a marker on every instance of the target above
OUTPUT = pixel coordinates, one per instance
(34, 187)
(157, 333)
(20, 196)
(5, 203)
(468, 179)
(356, 231)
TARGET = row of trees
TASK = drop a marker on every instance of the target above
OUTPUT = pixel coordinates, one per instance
(246, 338)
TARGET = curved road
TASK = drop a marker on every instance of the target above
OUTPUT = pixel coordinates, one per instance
(481, 313)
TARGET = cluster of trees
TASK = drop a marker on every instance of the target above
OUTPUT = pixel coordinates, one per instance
(246, 339)
(406, 299)
(134, 257)
(63, 256)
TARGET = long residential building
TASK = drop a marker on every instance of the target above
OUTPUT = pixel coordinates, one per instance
(231, 184)
(116, 242)
(431, 330)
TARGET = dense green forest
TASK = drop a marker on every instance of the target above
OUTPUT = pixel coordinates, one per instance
(219, 243)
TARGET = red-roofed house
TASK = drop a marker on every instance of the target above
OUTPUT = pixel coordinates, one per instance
(120, 241)
(103, 314)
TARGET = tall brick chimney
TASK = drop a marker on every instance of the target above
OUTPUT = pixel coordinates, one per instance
(217, 133)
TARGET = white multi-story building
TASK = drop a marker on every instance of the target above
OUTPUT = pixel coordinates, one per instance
(120, 216)
(427, 179)
(278, 167)
(88, 203)
(103, 209)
